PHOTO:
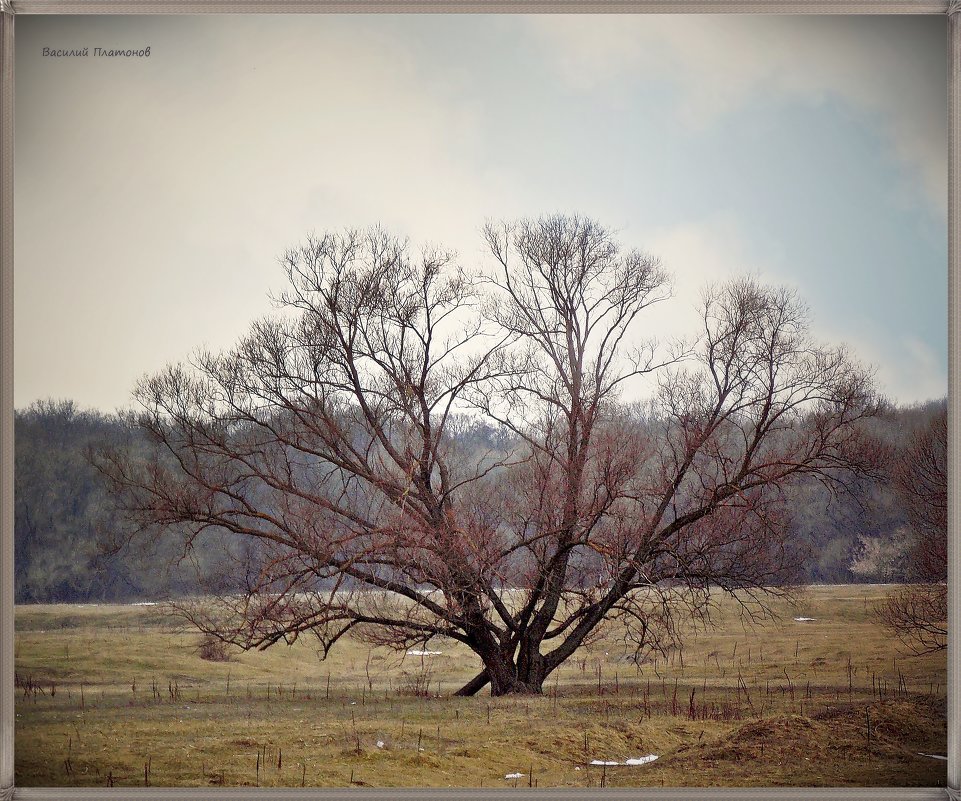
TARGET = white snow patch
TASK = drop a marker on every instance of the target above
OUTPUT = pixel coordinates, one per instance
(145, 603)
(933, 756)
(514, 776)
(632, 762)
(417, 652)
(804, 619)
(380, 743)
(641, 760)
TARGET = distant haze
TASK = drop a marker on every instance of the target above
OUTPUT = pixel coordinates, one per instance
(154, 195)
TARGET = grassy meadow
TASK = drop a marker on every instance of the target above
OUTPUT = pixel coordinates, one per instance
(117, 695)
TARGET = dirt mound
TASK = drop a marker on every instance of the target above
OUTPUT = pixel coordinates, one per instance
(919, 724)
(814, 749)
(776, 738)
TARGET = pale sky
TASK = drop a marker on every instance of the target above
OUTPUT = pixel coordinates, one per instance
(155, 195)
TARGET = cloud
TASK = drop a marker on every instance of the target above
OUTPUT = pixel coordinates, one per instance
(892, 71)
(718, 248)
(173, 195)
(181, 179)
(914, 373)
(695, 254)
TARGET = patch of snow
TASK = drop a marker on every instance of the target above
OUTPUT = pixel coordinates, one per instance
(416, 652)
(380, 743)
(632, 762)
(933, 756)
(514, 776)
(641, 760)
(145, 603)
(804, 619)
(848, 586)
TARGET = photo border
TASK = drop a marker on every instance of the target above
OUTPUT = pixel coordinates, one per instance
(10, 9)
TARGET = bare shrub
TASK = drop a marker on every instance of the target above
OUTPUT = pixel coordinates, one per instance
(416, 683)
(918, 614)
(213, 649)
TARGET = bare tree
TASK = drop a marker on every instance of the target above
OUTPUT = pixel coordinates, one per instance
(918, 613)
(323, 442)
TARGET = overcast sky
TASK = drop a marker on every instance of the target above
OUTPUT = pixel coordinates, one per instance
(154, 195)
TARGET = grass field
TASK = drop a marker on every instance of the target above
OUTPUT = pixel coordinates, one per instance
(114, 695)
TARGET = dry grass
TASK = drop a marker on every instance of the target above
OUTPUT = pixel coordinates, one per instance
(114, 695)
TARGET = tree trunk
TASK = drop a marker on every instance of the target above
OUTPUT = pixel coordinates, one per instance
(476, 684)
(507, 678)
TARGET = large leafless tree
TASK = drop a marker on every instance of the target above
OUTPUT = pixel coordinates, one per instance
(325, 440)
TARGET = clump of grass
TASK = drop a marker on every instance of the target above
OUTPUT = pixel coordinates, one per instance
(213, 649)
(416, 684)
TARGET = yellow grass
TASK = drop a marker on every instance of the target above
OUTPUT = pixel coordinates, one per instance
(105, 690)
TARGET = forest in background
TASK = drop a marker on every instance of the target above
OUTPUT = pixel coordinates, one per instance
(66, 535)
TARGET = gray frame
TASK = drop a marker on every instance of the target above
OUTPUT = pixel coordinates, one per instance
(9, 9)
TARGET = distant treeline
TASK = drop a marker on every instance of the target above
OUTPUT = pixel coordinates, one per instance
(67, 534)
